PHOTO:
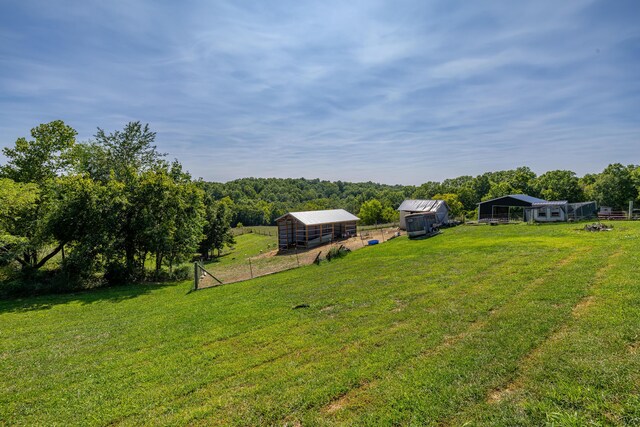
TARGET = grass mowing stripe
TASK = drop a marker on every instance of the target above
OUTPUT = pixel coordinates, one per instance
(500, 293)
(239, 355)
(445, 293)
(430, 389)
(590, 374)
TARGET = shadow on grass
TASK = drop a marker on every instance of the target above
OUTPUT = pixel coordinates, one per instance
(114, 294)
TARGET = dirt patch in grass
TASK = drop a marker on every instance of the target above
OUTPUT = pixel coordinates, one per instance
(400, 305)
(582, 306)
(499, 394)
(344, 399)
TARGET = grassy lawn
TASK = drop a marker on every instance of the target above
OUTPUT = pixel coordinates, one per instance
(508, 325)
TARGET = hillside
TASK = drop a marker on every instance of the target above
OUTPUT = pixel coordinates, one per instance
(508, 325)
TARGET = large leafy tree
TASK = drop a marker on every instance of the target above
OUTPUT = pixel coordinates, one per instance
(82, 215)
(455, 206)
(614, 186)
(131, 151)
(38, 162)
(124, 156)
(559, 185)
(17, 200)
(170, 217)
(48, 154)
(371, 212)
(217, 229)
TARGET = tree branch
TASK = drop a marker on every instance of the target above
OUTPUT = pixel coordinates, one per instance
(48, 257)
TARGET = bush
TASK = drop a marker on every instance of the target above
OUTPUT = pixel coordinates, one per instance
(337, 252)
(116, 273)
(183, 272)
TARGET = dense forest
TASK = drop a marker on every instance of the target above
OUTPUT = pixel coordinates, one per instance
(114, 210)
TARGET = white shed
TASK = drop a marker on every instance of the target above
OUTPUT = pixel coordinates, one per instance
(439, 207)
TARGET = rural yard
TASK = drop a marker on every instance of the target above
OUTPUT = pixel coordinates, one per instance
(255, 254)
(508, 325)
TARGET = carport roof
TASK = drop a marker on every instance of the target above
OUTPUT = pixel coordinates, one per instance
(522, 197)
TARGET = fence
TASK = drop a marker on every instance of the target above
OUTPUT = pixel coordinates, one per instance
(264, 230)
(246, 268)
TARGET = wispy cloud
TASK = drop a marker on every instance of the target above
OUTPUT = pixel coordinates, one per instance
(401, 92)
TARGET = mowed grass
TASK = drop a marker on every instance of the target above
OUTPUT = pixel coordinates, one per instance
(508, 325)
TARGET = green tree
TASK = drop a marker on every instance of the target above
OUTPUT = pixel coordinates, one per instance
(427, 190)
(390, 215)
(44, 157)
(455, 206)
(128, 154)
(38, 162)
(371, 212)
(499, 189)
(615, 186)
(559, 185)
(82, 216)
(16, 201)
(217, 229)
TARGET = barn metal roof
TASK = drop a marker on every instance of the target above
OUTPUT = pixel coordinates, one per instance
(422, 205)
(322, 217)
(523, 197)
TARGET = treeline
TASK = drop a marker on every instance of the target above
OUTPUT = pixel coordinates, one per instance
(113, 209)
(259, 201)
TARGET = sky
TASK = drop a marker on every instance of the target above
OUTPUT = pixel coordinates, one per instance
(398, 92)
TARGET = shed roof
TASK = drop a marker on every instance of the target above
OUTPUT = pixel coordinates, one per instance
(522, 197)
(422, 205)
(549, 203)
(322, 217)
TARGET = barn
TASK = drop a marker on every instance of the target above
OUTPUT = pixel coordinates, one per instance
(312, 228)
(439, 207)
(506, 208)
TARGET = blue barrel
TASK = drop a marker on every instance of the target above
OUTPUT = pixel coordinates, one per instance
(372, 242)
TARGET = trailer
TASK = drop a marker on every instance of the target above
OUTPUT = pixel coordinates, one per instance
(423, 224)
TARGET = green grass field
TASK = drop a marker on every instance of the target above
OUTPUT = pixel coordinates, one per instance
(508, 325)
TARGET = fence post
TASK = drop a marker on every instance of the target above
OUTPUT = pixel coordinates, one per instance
(297, 259)
(250, 268)
(195, 276)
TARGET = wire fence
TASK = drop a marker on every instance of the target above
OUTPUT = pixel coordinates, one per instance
(263, 230)
(276, 261)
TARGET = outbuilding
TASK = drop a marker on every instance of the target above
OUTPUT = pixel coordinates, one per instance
(506, 208)
(312, 228)
(556, 211)
(421, 224)
(438, 207)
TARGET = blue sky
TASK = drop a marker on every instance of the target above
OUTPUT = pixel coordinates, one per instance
(395, 92)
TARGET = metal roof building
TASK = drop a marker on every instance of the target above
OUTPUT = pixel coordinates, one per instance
(506, 208)
(439, 207)
(313, 228)
(560, 210)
